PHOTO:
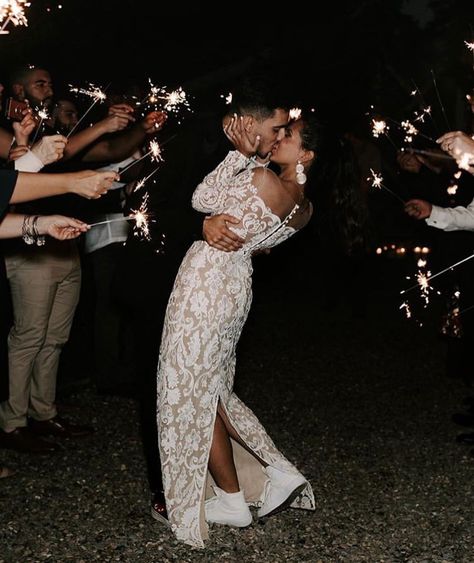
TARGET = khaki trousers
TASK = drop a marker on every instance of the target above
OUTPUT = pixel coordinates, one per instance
(45, 284)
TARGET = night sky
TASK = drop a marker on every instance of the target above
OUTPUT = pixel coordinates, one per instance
(358, 53)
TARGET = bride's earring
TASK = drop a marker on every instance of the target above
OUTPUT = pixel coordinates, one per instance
(300, 175)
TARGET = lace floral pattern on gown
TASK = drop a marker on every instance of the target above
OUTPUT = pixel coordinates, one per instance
(206, 312)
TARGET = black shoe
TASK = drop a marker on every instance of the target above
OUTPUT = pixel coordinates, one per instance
(467, 438)
(158, 508)
(22, 440)
(463, 419)
(60, 427)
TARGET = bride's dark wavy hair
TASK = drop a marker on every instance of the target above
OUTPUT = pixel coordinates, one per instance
(333, 185)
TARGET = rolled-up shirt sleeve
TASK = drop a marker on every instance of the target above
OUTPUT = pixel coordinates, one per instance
(7, 185)
(452, 218)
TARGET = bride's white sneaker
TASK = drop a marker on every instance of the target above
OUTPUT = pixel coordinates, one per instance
(228, 508)
(280, 490)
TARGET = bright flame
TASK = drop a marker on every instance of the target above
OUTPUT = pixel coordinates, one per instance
(378, 127)
(94, 92)
(377, 179)
(12, 11)
(142, 219)
(410, 131)
(405, 306)
(155, 151)
(295, 113)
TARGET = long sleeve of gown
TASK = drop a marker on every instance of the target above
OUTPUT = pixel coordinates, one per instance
(208, 194)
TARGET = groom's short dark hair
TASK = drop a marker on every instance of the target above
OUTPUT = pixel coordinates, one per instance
(258, 94)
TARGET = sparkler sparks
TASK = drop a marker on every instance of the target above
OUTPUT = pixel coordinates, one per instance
(377, 182)
(410, 131)
(155, 151)
(12, 11)
(43, 114)
(431, 277)
(379, 127)
(227, 98)
(171, 102)
(141, 216)
(295, 113)
(94, 92)
(406, 306)
(421, 116)
(470, 46)
(423, 282)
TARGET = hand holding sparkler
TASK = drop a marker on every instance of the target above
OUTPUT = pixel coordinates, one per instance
(91, 185)
(461, 147)
(418, 208)
(23, 129)
(17, 152)
(60, 227)
(119, 117)
(410, 162)
(50, 149)
(153, 122)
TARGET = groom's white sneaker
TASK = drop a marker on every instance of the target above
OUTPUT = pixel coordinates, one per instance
(280, 490)
(228, 508)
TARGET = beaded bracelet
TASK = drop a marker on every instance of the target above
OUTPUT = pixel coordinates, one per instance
(29, 231)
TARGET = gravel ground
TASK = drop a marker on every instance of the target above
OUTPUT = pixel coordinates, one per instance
(362, 406)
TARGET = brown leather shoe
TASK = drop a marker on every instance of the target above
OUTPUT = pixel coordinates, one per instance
(22, 440)
(57, 426)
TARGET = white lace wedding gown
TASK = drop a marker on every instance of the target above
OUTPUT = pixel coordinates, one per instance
(205, 316)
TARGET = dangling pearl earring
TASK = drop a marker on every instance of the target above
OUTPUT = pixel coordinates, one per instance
(300, 175)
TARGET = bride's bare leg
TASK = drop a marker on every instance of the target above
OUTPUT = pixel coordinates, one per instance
(221, 461)
(234, 435)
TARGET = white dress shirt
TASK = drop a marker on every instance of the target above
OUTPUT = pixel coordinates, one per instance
(452, 218)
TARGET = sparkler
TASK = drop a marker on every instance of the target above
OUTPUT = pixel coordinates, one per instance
(95, 93)
(171, 102)
(426, 110)
(141, 217)
(227, 98)
(406, 306)
(439, 99)
(117, 219)
(12, 11)
(418, 133)
(155, 151)
(430, 277)
(433, 154)
(410, 131)
(380, 127)
(377, 182)
(295, 113)
(42, 114)
(143, 181)
(470, 46)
